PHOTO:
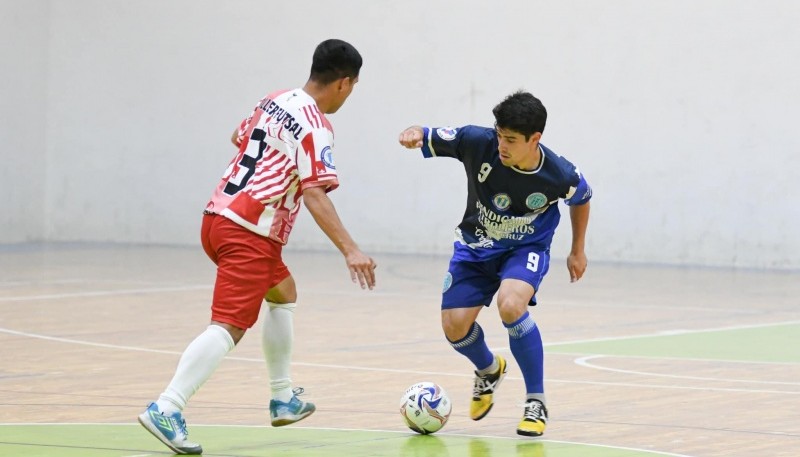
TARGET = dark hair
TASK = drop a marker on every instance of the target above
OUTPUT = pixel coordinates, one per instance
(522, 113)
(334, 59)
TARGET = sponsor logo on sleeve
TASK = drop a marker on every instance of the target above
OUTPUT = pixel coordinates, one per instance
(327, 157)
(447, 133)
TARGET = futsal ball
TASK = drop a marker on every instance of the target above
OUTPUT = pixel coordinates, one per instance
(425, 407)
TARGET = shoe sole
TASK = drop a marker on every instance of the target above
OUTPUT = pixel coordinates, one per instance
(155, 432)
(484, 413)
(502, 376)
(288, 421)
(526, 433)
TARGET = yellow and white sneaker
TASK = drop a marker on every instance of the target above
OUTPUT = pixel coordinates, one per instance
(483, 390)
(534, 419)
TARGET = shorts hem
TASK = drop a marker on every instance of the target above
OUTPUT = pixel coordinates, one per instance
(233, 322)
(525, 280)
(465, 305)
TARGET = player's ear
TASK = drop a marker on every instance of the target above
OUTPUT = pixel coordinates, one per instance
(535, 137)
(347, 83)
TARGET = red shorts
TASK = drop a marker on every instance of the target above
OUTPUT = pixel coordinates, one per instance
(248, 265)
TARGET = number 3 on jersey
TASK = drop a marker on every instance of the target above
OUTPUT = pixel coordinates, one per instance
(244, 169)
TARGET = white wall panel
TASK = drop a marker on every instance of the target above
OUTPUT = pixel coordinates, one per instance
(681, 114)
(23, 118)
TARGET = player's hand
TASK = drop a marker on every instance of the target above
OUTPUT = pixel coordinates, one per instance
(412, 137)
(236, 138)
(362, 269)
(576, 264)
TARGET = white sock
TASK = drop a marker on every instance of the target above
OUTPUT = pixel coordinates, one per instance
(277, 336)
(491, 368)
(198, 362)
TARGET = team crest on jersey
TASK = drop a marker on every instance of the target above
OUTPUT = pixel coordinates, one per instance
(536, 200)
(501, 201)
(448, 281)
(447, 133)
(327, 157)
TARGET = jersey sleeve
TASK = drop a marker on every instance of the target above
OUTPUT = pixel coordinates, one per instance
(315, 164)
(452, 142)
(241, 131)
(579, 191)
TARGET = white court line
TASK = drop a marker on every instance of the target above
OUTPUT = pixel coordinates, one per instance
(92, 281)
(104, 293)
(670, 387)
(404, 432)
(675, 332)
(241, 359)
(691, 359)
(89, 343)
(152, 290)
(385, 370)
(664, 333)
(583, 361)
(39, 283)
(617, 304)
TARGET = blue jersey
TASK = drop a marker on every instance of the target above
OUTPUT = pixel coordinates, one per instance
(507, 208)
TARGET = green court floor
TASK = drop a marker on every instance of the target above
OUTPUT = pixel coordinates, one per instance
(124, 440)
(774, 343)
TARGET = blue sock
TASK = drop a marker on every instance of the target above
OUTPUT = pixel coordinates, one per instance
(526, 345)
(474, 347)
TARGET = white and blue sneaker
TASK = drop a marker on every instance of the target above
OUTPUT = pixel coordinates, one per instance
(285, 413)
(170, 430)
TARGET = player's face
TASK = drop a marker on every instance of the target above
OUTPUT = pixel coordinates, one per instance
(515, 151)
(345, 88)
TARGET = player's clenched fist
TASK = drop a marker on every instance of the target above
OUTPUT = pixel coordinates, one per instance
(411, 137)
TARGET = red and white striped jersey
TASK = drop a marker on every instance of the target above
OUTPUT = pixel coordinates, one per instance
(286, 147)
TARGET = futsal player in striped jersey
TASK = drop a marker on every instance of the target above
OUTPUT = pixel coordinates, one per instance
(284, 155)
(502, 245)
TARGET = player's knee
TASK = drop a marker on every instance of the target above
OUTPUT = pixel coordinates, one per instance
(283, 296)
(236, 333)
(511, 309)
(455, 328)
(283, 292)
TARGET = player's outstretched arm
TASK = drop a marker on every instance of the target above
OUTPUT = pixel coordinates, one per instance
(576, 261)
(411, 137)
(361, 266)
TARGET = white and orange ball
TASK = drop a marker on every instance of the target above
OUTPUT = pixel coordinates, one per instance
(425, 407)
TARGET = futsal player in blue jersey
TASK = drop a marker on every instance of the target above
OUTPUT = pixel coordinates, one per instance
(502, 244)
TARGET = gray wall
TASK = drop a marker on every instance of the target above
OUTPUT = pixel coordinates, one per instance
(681, 114)
(23, 118)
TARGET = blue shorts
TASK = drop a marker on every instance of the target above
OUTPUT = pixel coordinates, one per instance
(474, 283)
